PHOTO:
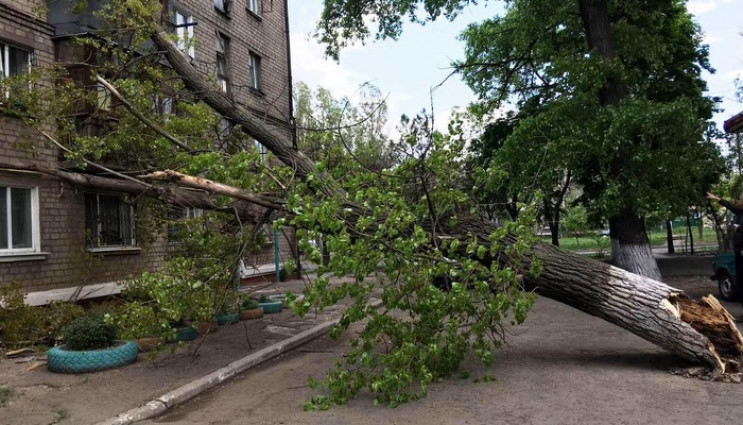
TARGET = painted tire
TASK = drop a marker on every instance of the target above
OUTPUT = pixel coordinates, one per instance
(228, 319)
(252, 314)
(185, 334)
(61, 360)
(271, 306)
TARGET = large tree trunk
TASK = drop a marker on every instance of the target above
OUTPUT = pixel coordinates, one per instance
(702, 332)
(699, 331)
(630, 247)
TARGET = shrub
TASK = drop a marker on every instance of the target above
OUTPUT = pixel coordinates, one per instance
(89, 332)
(22, 325)
(249, 304)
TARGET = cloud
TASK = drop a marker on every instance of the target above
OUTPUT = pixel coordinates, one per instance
(310, 66)
(697, 7)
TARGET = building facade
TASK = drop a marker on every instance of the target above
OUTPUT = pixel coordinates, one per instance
(56, 237)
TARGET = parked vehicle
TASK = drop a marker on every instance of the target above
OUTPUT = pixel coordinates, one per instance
(723, 267)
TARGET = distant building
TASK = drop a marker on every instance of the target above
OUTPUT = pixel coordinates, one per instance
(734, 124)
(47, 226)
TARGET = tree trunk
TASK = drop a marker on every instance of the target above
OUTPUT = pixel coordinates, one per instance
(669, 237)
(702, 332)
(698, 331)
(630, 246)
(691, 234)
(171, 195)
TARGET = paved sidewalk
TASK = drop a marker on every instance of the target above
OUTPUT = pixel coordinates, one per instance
(41, 397)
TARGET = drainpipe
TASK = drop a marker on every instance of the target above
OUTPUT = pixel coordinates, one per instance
(291, 80)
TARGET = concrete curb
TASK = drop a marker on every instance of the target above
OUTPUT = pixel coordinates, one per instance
(188, 391)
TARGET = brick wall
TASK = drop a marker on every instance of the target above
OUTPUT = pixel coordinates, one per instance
(65, 262)
(264, 36)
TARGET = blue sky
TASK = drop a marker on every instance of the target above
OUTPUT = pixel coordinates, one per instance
(408, 69)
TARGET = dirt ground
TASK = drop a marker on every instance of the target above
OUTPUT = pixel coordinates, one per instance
(561, 367)
(557, 341)
(39, 397)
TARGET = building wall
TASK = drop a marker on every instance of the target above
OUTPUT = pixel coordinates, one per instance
(65, 262)
(264, 36)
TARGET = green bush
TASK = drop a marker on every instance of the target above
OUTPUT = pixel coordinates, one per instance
(249, 304)
(89, 332)
(22, 325)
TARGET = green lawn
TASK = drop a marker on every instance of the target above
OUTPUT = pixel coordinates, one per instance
(657, 238)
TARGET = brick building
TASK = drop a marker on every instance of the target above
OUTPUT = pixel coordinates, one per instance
(55, 237)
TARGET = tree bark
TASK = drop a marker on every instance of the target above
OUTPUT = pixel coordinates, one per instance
(702, 332)
(669, 237)
(630, 247)
(172, 194)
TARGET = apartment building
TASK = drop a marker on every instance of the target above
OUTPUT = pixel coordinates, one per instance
(55, 236)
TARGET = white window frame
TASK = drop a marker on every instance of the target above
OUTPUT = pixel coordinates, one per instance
(261, 150)
(254, 7)
(254, 71)
(222, 47)
(5, 61)
(184, 29)
(6, 221)
(95, 245)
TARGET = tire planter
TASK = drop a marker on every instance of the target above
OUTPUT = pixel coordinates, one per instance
(187, 333)
(61, 360)
(148, 343)
(271, 306)
(251, 314)
(204, 328)
(227, 319)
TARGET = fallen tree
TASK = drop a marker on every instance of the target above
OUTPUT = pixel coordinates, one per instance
(700, 331)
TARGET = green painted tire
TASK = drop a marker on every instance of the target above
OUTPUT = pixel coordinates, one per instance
(60, 360)
(272, 306)
(228, 319)
(185, 334)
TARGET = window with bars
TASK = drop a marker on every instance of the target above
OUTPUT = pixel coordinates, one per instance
(222, 47)
(184, 29)
(254, 71)
(19, 221)
(109, 221)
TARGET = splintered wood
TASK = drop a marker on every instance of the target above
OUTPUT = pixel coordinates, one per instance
(710, 318)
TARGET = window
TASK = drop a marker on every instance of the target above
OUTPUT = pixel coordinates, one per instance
(109, 221)
(164, 106)
(253, 6)
(14, 61)
(184, 30)
(224, 6)
(175, 228)
(261, 150)
(19, 220)
(254, 71)
(223, 78)
(104, 98)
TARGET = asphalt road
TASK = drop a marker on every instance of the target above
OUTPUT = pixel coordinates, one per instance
(560, 367)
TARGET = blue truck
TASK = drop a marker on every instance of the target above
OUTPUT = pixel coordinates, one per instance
(723, 267)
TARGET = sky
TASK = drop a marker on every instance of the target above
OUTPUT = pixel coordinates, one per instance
(408, 70)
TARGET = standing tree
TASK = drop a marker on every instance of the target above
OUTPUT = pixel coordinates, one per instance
(619, 113)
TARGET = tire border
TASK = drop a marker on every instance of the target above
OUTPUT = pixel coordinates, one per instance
(60, 360)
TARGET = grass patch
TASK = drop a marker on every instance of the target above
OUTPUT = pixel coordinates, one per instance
(5, 395)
